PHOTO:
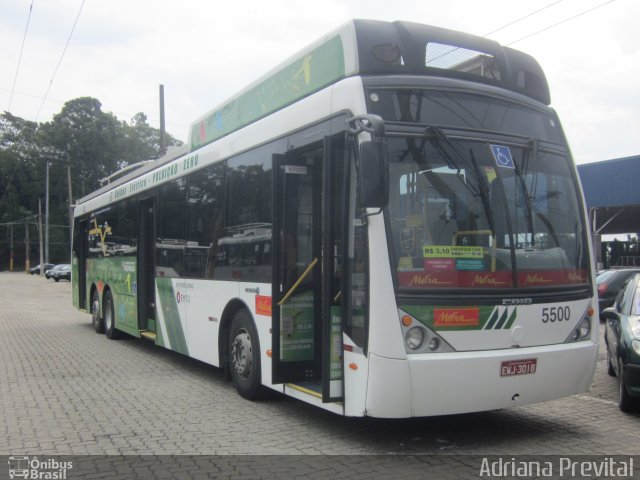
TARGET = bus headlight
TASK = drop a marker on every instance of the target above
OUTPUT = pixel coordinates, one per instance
(635, 344)
(414, 338)
(434, 344)
(585, 328)
(419, 338)
(581, 332)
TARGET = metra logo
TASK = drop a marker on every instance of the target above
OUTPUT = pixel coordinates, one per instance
(456, 317)
(263, 305)
(420, 280)
(486, 280)
(535, 279)
(576, 277)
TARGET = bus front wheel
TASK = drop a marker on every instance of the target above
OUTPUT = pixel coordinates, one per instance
(244, 356)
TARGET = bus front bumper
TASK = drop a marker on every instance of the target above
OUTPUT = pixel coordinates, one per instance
(461, 382)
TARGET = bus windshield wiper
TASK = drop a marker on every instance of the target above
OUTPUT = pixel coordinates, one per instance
(520, 173)
(437, 137)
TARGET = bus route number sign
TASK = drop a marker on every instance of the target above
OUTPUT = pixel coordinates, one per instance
(510, 368)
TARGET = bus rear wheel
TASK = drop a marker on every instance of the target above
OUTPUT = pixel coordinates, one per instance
(96, 318)
(109, 316)
(244, 356)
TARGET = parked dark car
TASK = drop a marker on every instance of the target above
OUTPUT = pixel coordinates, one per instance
(36, 269)
(622, 338)
(60, 272)
(47, 272)
(609, 283)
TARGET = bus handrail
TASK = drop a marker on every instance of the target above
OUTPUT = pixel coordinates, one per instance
(295, 286)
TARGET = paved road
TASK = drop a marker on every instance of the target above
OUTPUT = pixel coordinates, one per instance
(65, 390)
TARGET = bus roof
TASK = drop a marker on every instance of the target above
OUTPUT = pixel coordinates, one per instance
(370, 47)
(359, 47)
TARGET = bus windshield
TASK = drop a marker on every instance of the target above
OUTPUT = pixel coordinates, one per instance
(470, 213)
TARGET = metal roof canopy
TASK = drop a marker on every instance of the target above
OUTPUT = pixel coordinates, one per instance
(612, 192)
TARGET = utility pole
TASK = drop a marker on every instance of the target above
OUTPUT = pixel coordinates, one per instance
(162, 126)
(70, 200)
(46, 216)
(11, 248)
(26, 244)
(40, 234)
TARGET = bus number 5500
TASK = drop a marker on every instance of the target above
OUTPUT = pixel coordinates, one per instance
(555, 314)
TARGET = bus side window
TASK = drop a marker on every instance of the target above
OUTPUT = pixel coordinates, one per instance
(205, 220)
(247, 219)
(171, 241)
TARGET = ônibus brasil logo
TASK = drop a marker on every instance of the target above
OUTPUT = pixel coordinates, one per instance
(36, 468)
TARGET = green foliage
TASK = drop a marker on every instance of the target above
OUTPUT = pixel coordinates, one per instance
(93, 143)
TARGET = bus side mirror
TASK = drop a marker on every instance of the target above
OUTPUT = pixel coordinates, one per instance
(373, 173)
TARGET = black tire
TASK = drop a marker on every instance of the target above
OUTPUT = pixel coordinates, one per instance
(625, 401)
(244, 357)
(56, 279)
(96, 313)
(610, 370)
(108, 313)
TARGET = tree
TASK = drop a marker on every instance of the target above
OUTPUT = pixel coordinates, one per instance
(93, 143)
(20, 148)
(88, 138)
(141, 141)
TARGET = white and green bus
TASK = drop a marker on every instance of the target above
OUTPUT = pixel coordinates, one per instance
(388, 224)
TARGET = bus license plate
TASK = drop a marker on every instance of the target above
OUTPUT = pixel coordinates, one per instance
(518, 367)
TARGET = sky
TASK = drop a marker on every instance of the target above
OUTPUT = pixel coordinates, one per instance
(204, 51)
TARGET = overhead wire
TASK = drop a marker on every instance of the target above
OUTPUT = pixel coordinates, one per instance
(64, 51)
(24, 38)
(561, 22)
(454, 49)
(522, 18)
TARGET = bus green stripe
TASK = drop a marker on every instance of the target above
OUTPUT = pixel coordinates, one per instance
(492, 320)
(173, 326)
(307, 74)
(512, 319)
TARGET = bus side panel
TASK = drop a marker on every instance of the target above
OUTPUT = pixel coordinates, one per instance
(171, 314)
(118, 273)
(189, 313)
(257, 297)
(205, 302)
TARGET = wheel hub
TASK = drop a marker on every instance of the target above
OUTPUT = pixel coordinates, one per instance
(95, 310)
(241, 354)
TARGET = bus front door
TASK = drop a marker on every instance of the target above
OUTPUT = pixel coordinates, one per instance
(297, 267)
(306, 290)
